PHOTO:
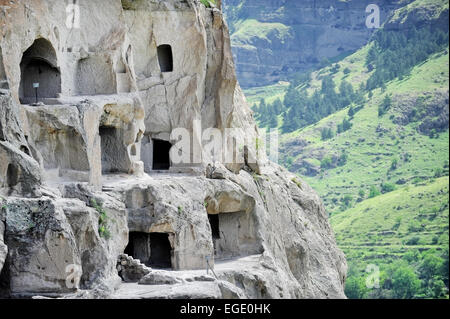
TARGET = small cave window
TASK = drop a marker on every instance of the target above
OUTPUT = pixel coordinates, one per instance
(24, 149)
(12, 175)
(161, 155)
(215, 227)
(165, 58)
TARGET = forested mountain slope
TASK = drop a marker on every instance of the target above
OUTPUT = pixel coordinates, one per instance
(370, 133)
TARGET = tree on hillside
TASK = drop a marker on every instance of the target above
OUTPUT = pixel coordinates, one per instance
(394, 53)
(374, 192)
(355, 287)
(273, 120)
(277, 106)
(344, 126)
(385, 105)
(405, 283)
(327, 133)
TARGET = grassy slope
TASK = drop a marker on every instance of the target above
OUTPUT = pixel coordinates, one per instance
(249, 30)
(436, 6)
(367, 231)
(371, 153)
(385, 226)
(269, 93)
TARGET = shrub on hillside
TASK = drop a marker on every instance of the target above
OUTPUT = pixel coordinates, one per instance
(374, 192)
(387, 188)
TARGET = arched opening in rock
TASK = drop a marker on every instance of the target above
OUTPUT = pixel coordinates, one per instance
(38, 65)
(152, 249)
(12, 175)
(161, 155)
(165, 58)
(115, 157)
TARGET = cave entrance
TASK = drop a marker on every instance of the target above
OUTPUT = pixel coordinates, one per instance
(161, 251)
(214, 222)
(38, 65)
(161, 155)
(215, 226)
(139, 247)
(152, 249)
(165, 58)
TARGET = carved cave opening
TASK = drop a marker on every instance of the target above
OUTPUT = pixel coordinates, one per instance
(215, 225)
(152, 249)
(165, 58)
(233, 234)
(161, 155)
(38, 65)
(139, 246)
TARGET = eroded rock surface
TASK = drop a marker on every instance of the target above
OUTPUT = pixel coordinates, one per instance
(86, 174)
(296, 35)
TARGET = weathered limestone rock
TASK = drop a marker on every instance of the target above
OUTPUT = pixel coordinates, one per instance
(130, 269)
(230, 291)
(160, 278)
(82, 141)
(104, 119)
(19, 172)
(3, 247)
(46, 236)
(173, 206)
(97, 252)
(41, 245)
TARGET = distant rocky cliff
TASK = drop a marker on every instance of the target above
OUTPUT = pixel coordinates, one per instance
(272, 39)
(90, 194)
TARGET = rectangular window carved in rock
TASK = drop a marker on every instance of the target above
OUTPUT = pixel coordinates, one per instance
(165, 58)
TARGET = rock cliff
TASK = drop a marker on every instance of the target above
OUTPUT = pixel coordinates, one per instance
(272, 39)
(91, 195)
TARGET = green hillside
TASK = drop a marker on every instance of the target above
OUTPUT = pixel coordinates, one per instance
(249, 29)
(370, 133)
(374, 143)
(407, 227)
